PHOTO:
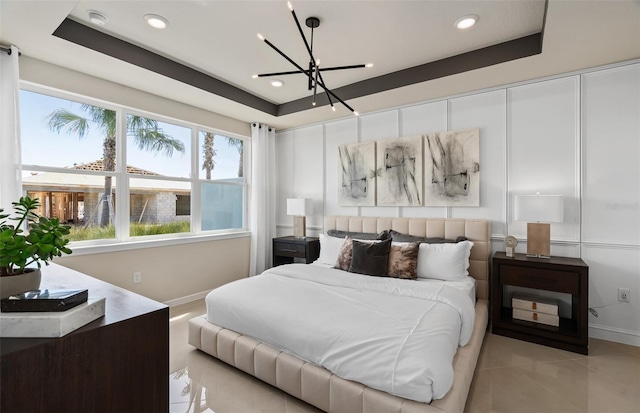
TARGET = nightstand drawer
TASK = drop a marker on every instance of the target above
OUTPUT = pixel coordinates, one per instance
(541, 279)
(289, 249)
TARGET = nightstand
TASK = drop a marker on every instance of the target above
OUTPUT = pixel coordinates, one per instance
(558, 274)
(285, 249)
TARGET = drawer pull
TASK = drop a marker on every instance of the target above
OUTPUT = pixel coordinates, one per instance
(289, 250)
(535, 316)
(533, 306)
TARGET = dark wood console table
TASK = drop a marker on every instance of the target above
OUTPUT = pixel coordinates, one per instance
(117, 363)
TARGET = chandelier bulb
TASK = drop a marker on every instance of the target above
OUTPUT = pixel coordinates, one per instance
(333, 108)
(356, 113)
(261, 37)
(290, 6)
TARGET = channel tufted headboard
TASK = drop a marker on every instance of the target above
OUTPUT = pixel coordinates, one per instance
(476, 230)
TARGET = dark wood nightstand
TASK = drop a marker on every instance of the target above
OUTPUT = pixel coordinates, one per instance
(285, 249)
(558, 274)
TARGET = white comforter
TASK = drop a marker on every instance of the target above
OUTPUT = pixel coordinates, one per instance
(398, 336)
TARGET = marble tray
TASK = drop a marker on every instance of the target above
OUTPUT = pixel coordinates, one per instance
(51, 324)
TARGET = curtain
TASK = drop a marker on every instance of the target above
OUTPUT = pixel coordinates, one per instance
(262, 218)
(10, 155)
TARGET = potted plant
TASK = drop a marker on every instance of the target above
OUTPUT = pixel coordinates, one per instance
(18, 250)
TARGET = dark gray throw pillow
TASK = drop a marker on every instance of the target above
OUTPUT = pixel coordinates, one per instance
(400, 237)
(370, 258)
(358, 235)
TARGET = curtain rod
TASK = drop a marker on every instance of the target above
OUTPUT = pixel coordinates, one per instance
(7, 50)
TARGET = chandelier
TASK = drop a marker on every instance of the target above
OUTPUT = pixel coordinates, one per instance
(314, 71)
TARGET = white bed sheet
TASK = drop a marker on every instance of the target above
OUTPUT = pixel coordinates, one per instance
(398, 336)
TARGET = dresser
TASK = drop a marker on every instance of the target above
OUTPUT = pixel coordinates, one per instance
(565, 275)
(117, 363)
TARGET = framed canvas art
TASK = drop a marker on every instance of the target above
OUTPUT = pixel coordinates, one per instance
(399, 170)
(452, 168)
(357, 174)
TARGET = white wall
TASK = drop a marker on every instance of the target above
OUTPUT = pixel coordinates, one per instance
(577, 135)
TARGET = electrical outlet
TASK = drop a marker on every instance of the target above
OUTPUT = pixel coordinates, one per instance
(137, 277)
(624, 295)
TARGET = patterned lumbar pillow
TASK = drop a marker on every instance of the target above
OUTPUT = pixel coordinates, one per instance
(403, 260)
(344, 258)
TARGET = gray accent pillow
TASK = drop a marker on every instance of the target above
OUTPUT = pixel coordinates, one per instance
(400, 237)
(403, 261)
(358, 235)
(370, 258)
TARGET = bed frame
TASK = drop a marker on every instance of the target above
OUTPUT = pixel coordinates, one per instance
(326, 391)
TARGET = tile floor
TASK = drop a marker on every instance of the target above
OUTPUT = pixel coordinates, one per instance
(512, 376)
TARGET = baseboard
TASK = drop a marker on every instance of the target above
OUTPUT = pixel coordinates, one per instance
(617, 335)
(187, 299)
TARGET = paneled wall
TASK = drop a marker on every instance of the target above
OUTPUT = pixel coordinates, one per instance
(577, 135)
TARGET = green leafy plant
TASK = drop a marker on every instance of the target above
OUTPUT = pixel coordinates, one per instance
(44, 241)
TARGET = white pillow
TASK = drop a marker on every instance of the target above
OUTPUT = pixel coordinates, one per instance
(329, 249)
(448, 262)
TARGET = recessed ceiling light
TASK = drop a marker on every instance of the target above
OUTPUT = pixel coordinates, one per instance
(467, 21)
(97, 18)
(277, 83)
(155, 21)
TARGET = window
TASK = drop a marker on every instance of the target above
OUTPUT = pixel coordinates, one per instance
(222, 168)
(183, 204)
(88, 161)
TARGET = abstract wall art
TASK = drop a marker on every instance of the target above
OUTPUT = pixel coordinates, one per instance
(452, 168)
(357, 174)
(399, 170)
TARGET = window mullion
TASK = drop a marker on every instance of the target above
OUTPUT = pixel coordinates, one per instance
(122, 180)
(196, 210)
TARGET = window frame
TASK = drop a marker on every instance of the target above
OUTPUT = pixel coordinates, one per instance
(123, 240)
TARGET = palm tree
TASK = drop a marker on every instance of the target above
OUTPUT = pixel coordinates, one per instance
(208, 154)
(146, 133)
(239, 145)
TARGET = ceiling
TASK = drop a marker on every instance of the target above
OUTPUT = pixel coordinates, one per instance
(218, 39)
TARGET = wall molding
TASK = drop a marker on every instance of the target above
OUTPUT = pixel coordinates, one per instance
(187, 299)
(618, 335)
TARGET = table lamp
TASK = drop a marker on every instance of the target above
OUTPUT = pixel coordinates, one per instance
(542, 209)
(299, 208)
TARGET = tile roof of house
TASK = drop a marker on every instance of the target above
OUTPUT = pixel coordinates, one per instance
(99, 166)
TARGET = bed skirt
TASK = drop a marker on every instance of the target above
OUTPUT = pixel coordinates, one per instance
(324, 390)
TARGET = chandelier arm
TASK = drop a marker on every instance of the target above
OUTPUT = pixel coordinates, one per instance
(300, 69)
(315, 85)
(326, 69)
(338, 99)
(304, 39)
(293, 72)
(329, 92)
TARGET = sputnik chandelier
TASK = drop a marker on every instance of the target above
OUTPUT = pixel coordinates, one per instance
(314, 73)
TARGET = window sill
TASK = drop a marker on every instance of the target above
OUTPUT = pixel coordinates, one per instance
(80, 248)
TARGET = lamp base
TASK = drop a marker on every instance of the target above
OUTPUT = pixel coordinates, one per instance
(299, 226)
(539, 240)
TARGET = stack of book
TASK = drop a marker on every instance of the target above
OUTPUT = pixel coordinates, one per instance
(535, 308)
(48, 313)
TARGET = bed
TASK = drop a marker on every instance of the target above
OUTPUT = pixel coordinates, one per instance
(330, 392)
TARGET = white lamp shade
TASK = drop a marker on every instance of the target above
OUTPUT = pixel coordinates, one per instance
(539, 208)
(299, 207)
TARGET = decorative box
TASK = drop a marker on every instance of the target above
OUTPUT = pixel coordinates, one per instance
(535, 308)
(51, 324)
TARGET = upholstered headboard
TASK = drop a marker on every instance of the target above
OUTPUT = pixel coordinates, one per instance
(476, 230)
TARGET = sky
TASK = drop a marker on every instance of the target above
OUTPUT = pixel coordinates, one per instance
(44, 147)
